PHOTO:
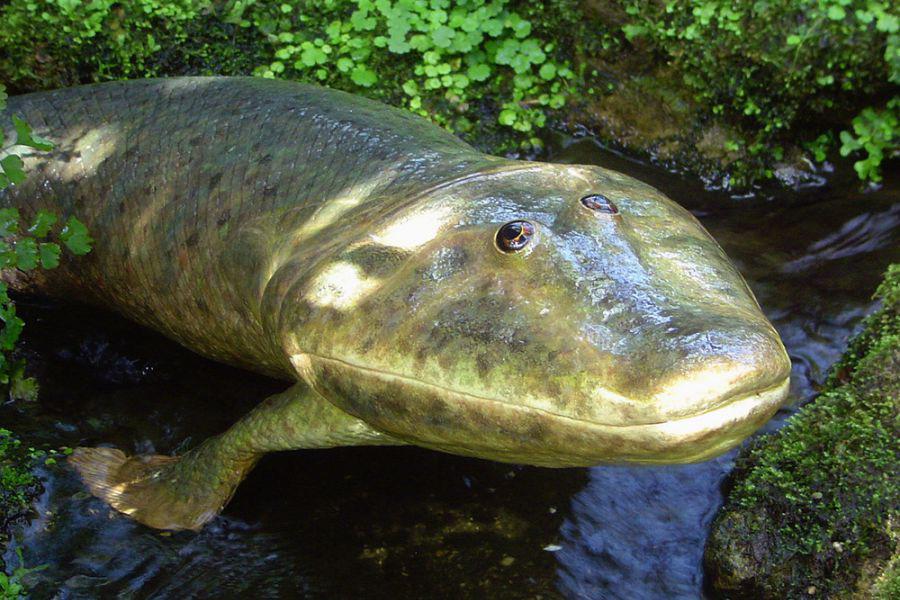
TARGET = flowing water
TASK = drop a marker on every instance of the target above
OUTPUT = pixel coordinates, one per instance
(405, 522)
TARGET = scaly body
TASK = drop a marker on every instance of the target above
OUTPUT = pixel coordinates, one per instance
(361, 252)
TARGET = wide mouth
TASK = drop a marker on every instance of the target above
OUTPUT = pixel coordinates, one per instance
(480, 426)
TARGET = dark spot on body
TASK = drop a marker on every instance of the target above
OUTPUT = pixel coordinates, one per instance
(483, 363)
(223, 218)
(215, 179)
(265, 159)
(192, 240)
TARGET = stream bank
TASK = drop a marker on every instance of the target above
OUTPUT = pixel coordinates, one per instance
(813, 510)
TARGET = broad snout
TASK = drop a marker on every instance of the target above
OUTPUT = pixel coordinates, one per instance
(691, 374)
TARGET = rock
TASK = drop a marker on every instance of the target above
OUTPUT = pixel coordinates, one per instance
(814, 509)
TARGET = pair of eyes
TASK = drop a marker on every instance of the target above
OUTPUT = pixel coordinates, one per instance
(516, 235)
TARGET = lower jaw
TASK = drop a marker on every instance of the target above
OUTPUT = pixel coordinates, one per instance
(584, 444)
(425, 415)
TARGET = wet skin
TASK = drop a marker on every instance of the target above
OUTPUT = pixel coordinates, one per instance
(415, 290)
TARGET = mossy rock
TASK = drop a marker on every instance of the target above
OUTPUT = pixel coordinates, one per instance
(814, 510)
(18, 486)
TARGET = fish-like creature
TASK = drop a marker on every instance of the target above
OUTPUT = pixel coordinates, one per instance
(412, 289)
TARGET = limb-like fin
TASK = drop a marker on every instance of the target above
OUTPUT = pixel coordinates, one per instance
(186, 492)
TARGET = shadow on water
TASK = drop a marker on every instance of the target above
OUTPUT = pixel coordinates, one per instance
(404, 522)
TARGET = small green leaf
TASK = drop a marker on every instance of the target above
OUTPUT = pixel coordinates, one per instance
(410, 88)
(521, 28)
(363, 76)
(13, 168)
(398, 45)
(479, 72)
(49, 253)
(26, 254)
(75, 236)
(507, 117)
(344, 64)
(442, 36)
(548, 71)
(11, 330)
(836, 12)
(312, 56)
(43, 221)
(632, 31)
(25, 137)
(23, 388)
(9, 222)
(361, 21)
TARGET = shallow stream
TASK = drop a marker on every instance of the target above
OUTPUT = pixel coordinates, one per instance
(405, 522)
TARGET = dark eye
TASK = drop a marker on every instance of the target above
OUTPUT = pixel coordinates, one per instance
(600, 203)
(514, 236)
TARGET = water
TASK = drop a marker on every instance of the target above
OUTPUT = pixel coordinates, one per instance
(405, 522)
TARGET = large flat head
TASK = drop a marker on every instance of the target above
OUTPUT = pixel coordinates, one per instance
(538, 313)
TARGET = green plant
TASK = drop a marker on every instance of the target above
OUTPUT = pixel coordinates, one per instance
(776, 67)
(15, 477)
(24, 250)
(875, 132)
(435, 52)
(11, 585)
(454, 62)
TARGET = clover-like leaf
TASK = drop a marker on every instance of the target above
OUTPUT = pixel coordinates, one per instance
(43, 221)
(9, 222)
(507, 117)
(312, 56)
(11, 330)
(442, 36)
(548, 71)
(13, 168)
(75, 236)
(363, 76)
(49, 255)
(479, 72)
(26, 254)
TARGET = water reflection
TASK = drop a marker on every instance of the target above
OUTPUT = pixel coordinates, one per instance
(639, 533)
(404, 522)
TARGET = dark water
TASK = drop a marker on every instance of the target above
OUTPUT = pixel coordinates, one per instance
(404, 522)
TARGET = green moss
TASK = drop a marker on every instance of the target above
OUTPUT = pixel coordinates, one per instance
(816, 504)
(887, 587)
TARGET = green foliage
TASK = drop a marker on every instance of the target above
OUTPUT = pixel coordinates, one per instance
(25, 250)
(440, 55)
(452, 62)
(875, 132)
(118, 39)
(11, 584)
(777, 66)
(15, 477)
(828, 484)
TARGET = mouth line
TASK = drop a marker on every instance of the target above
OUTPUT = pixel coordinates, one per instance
(722, 407)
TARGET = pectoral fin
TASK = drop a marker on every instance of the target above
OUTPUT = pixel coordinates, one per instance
(187, 491)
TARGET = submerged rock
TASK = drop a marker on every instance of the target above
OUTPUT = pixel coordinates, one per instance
(814, 510)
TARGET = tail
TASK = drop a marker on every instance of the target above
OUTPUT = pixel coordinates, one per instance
(163, 492)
